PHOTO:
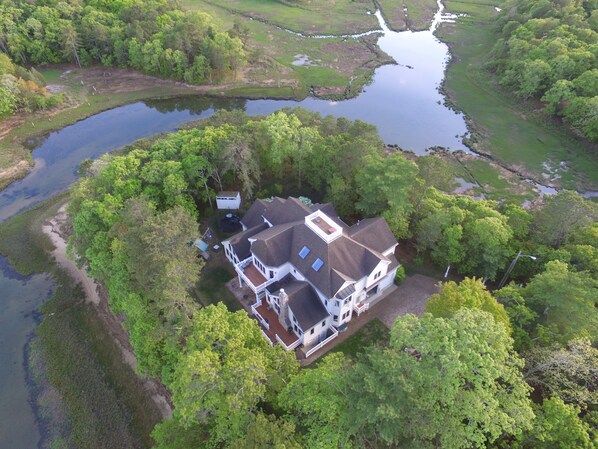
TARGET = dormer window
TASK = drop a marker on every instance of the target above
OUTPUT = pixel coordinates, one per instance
(304, 252)
(317, 264)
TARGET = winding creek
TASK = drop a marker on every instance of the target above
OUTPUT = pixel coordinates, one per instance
(403, 101)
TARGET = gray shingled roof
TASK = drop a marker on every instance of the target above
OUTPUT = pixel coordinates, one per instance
(344, 260)
(373, 233)
(281, 211)
(348, 258)
(272, 244)
(240, 242)
(303, 301)
(253, 216)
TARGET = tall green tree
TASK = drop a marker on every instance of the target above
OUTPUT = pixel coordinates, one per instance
(469, 293)
(444, 382)
(227, 368)
(317, 400)
(557, 425)
(565, 302)
(384, 185)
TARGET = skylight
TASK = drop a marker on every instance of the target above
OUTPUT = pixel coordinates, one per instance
(317, 264)
(304, 252)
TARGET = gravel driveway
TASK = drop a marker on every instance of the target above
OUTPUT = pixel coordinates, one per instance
(410, 297)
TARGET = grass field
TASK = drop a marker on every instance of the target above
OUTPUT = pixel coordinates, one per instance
(315, 17)
(107, 404)
(333, 67)
(415, 15)
(504, 127)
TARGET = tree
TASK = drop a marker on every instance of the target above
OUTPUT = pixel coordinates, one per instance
(162, 263)
(267, 431)
(316, 399)
(557, 425)
(227, 368)
(561, 216)
(444, 382)
(487, 245)
(569, 373)
(470, 294)
(565, 302)
(383, 185)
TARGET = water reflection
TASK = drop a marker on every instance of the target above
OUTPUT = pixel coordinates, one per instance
(20, 296)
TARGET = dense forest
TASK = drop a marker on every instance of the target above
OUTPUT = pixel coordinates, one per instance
(461, 376)
(156, 37)
(22, 90)
(549, 50)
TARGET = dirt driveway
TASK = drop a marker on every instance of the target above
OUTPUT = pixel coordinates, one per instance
(410, 297)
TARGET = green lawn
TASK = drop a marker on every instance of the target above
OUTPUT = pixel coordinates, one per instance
(211, 288)
(374, 333)
(505, 127)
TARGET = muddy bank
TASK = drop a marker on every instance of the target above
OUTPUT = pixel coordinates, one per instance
(58, 229)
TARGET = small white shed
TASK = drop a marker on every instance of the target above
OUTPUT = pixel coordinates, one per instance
(228, 200)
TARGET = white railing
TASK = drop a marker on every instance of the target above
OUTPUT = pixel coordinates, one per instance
(322, 343)
(361, 307)
(240, 267)
(289, 347)
(260, 318)
(267, 338)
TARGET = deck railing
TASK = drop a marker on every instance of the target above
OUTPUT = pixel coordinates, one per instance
(260, 318)
(322, 343)
(289, 347)
(361, 307)
(240, 269)
(267, 338)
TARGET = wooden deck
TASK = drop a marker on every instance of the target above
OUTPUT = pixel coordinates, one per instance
(275, 327)
(255, 276)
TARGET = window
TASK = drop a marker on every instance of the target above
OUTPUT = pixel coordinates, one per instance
(347, 300)
(317, 264)
(377, 275)
(335, 317)
(337, 303)
(312, 331)
(271, 274)
(326, 302)
(324, 323)
(304, 252)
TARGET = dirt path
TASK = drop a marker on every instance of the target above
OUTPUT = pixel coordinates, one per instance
(55, 229)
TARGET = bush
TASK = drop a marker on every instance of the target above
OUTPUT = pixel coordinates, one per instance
(400, 276)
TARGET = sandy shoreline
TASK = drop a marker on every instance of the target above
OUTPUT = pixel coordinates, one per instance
(55, 230)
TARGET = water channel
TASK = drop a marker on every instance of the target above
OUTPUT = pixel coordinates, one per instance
(402, 101)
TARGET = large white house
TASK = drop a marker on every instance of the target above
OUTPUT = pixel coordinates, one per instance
(310, 272)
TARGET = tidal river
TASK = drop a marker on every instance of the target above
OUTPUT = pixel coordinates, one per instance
(403, 102)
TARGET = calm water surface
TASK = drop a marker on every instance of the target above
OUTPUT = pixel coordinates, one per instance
(20, 296)
(403, 102)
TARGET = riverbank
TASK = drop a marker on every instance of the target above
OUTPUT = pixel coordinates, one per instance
(109, 405)
(513, 133)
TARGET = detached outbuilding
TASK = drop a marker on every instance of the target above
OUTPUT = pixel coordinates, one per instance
(228, 200)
